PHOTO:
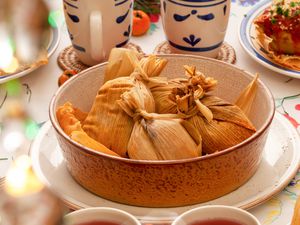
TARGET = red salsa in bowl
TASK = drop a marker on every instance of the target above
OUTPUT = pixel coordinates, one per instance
(218, 221)
(99, 222)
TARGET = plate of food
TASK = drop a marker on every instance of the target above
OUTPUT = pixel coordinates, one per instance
(279, 165)
(157, 136)
(51, 42)
(269, 33)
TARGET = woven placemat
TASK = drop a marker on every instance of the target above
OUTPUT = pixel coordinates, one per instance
(68, 60)
(226, 54)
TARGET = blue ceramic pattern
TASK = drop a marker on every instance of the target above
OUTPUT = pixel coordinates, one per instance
(127, 33)
(192, 49)
(207, 17)
(121, 18)
(71, 5)
(214, 3)
(165, 6)
(79, 48)
(180, 18)
(122, 43)
(225, 9)
(120, 2)
(70, 35)
(192, 40)
(74, 18)
(246, 3)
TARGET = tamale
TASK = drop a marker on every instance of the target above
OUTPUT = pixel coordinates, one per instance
(82, 138)
(122, 62)
(106, 122)
(69, 118)
(158, 136)
(221, 124)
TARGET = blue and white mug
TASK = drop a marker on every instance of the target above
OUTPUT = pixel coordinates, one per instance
(97, 26)
(195, 26)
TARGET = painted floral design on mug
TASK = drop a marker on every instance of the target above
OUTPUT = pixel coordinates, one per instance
(95, 27)
(195, 26)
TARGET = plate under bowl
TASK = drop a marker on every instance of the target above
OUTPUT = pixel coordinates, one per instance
(171, 182)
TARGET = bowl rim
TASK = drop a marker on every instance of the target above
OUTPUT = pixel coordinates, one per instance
(101, 210)
(225, 209)
(258, 133)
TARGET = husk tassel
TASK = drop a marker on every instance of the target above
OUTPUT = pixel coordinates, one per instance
(247, 96)
(158, 136)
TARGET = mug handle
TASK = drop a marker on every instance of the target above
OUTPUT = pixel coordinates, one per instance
(96, 35)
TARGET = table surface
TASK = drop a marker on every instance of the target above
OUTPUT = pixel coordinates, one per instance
(286, 91)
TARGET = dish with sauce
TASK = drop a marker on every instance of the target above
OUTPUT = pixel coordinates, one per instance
(278, 31)
(260, 37)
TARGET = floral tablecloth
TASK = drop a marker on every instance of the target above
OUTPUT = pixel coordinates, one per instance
(39, 86)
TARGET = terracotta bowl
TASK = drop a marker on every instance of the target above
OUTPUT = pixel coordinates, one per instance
(166, 183)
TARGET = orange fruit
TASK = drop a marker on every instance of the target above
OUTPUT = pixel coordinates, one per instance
(141, 23)
(66, 75)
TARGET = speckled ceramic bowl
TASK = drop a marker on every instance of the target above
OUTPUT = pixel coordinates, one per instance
(166, 183)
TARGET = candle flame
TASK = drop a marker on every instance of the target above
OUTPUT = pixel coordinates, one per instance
(20, 179)
(6, 53)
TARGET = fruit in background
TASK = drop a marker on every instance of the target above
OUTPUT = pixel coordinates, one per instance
(66, 75)
(141, 23)
(154, 18)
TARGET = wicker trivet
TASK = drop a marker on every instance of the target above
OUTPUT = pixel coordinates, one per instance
(68, 60)
(226, 54)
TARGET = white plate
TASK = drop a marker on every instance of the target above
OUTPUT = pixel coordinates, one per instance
(248, 41)
(279, 165)
(52, 43)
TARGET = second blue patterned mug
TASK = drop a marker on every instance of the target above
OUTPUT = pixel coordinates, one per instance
(195, 26)
(97, 26)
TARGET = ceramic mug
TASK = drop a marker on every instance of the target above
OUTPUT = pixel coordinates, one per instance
(195, 26)
(211, 212)
(95, 27)
(103, 214)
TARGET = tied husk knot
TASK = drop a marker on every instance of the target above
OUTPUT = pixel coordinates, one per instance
(220, 124)
(163, 136)
(194, 90)
(132, 102)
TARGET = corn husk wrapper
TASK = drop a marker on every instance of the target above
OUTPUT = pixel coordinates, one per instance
(107, 123)
(70, 119)
(220, 123)
(158, 136)
(122, 62)
(82, 138)
(247, 96)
